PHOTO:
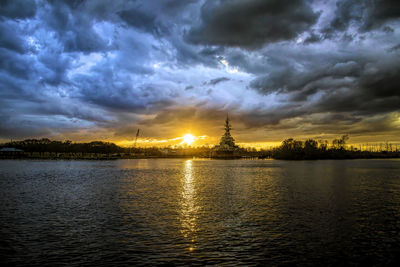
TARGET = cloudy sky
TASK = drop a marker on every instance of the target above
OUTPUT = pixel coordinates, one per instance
(99, 70)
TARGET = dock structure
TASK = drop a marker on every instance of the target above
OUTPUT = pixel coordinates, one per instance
(11, 152)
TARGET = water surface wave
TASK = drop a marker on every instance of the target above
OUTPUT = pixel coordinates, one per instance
(178, 211)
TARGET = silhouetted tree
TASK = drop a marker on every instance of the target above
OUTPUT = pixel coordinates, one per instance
(340, 143)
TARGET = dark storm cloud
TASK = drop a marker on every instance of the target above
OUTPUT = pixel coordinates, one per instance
(360, 85)
(394, 48)
(251, 23)
(22, 131)
(9, 40)
(380, 12)
(74, 28)
(287, 78)
(313, 38)
(17, 9)
(366, 15)
(218, 80)
(124, 97)
(143, 21)
(53, 68)
(171, 116)
(346, 12)
(15, 64)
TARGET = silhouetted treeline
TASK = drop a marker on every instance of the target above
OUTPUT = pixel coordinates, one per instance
(46, 148)
(290, 149)
(47, 145)
(312, 149)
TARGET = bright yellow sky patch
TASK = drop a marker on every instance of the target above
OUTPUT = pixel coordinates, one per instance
(188, 139)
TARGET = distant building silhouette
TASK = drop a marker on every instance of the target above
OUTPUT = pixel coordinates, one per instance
(11, 152)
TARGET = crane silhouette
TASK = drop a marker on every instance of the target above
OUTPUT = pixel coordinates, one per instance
(137, 135)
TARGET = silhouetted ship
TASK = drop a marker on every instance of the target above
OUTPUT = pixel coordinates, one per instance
(226, 148)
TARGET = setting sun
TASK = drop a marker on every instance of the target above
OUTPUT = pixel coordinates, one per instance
(188, 139)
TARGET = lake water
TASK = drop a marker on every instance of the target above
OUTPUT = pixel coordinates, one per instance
(181, 212)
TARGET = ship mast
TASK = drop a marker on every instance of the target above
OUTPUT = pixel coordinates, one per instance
(227, 126)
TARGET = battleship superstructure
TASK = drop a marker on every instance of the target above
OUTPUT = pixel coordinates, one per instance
(226, 147)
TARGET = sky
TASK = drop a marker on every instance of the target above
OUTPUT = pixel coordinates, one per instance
(99, 70)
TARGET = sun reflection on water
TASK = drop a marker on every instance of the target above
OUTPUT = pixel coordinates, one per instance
(189, 209)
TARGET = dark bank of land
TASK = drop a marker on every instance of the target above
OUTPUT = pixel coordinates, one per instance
(290, 149)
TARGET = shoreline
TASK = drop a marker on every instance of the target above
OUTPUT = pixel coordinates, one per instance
(106, 157)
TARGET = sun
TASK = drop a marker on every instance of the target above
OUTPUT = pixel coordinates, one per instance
(188, 139)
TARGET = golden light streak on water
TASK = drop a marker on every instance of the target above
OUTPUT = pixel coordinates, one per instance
(189, 209)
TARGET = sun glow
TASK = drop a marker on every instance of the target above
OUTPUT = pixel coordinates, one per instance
(188, 139)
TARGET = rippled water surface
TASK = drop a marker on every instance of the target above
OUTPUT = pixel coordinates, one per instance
(180, 212)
